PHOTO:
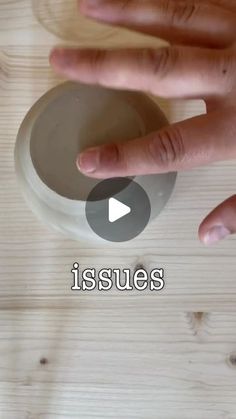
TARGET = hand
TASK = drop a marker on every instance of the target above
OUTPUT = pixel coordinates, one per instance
(199, 63)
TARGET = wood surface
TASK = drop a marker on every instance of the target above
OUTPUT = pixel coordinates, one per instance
(64, 354)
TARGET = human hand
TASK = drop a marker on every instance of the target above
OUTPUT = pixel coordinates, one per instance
(199, 63)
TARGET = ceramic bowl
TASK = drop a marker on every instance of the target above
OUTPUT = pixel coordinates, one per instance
(63, 122)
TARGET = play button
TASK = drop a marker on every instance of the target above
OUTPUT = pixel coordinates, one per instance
(118, 209)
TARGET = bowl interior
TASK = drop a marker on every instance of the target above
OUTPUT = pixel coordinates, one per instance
(73, 119)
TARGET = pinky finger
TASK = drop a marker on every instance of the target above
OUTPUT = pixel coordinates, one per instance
(220, 223)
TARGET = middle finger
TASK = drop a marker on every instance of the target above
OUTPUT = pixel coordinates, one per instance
(177, 21)
(170, 72)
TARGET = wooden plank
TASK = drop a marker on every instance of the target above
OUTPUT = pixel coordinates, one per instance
(64, 354)
(94, 363)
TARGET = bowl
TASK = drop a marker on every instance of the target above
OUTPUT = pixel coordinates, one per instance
(62, 123)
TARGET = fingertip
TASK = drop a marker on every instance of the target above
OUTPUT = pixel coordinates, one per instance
(57, 57)
(91, 8)
(201, 232)
(87, 162)
(52, 56)
(213, 234)
(85, 7)
(200, 236)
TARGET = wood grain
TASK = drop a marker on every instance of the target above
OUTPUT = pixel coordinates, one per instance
(65, 354)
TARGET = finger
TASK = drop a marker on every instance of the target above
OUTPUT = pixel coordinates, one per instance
(225, 4)
(170, 72)
(220, 223)
(177, 21)
(197, 141)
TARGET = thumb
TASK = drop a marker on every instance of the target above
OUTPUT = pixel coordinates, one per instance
(220, 223)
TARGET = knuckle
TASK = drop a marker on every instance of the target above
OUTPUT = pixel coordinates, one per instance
(161, 62)
(180, 13)
(167, 148)
(97, 58)
(113, 155)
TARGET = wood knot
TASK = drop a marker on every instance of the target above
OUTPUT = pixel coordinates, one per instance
(43, 361)
(232, 360)
(139, 266)
(197, 322)
(199, 315)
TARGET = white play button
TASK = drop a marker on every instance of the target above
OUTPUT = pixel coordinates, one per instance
(117, 210)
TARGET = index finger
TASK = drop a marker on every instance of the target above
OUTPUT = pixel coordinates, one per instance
(191, 143)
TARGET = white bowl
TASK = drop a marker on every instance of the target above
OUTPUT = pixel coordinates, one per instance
(63, 122)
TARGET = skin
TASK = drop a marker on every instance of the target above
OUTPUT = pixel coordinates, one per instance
(200, 63)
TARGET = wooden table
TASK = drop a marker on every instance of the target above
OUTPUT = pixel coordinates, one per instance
(64, 354)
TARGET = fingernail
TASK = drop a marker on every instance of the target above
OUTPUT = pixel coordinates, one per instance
(216, 234)
(59, 57)
(88, 161)
(57, 53)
